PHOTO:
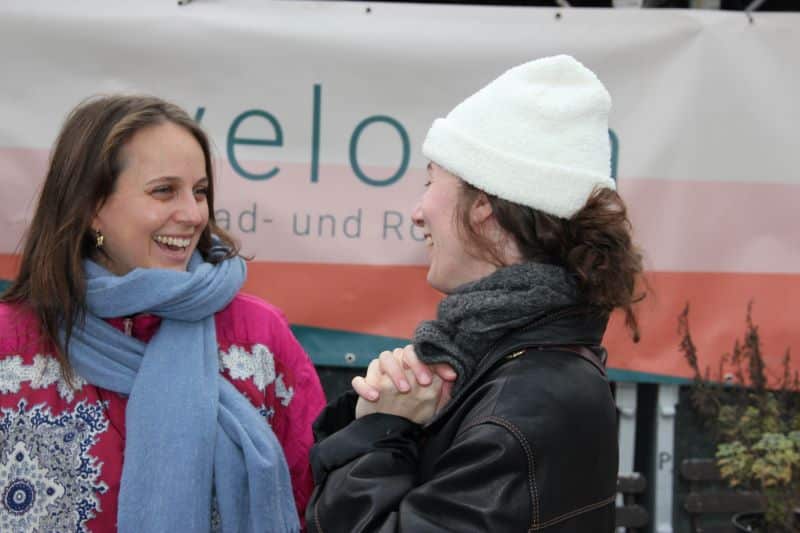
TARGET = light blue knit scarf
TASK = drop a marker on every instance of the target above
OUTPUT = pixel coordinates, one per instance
(188, 428)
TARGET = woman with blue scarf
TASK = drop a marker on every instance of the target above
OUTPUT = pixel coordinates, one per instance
(139, 389)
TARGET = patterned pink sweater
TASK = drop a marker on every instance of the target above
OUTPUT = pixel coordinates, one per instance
(61, 450)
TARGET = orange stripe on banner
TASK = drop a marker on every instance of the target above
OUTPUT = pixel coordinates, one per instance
(9, 266)
(379, 300)
(391, 300)
(718, 307)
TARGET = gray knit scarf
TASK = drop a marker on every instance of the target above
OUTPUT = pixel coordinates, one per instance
(471, 319)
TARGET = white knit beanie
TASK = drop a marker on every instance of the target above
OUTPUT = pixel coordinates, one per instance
(537, 136)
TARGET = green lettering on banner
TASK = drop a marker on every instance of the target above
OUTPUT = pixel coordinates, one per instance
(315, 133)
(614, 153)
(354, 148)
(234, 140)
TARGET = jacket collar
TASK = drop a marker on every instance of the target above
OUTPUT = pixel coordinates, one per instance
(568, 326)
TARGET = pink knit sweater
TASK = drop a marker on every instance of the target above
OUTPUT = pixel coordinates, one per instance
(61, 450)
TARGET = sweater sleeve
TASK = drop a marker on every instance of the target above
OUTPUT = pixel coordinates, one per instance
(284, 384)
(294, 432)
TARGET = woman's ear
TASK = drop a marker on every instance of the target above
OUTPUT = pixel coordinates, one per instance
(481, 210)
(95, 225)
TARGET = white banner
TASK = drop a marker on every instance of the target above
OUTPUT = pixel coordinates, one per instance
(318, 110)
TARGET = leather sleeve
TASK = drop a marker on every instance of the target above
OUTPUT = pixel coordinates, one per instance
(475, 485)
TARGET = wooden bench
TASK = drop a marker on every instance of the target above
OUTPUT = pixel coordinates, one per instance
(631, 515)
(710, 503)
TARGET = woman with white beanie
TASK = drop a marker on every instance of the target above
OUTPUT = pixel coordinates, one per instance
(500, 417)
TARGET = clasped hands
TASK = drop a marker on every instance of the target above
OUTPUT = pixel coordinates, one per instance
(398, 383)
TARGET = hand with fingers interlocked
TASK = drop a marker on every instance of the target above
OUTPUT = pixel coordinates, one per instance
(398, 383)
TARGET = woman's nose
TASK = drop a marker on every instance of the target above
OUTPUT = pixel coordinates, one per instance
(191, 211)
(416, 215)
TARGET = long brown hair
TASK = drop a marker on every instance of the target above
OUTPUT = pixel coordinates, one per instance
(84, 166)
(594, 245)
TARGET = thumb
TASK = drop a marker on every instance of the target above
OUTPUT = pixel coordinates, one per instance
(445, 371)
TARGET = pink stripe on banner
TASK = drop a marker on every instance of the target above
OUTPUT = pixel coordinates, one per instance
(716, 226)
(682, 225)
(21, 172)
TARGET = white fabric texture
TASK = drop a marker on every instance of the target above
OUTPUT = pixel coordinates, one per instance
(536, 136)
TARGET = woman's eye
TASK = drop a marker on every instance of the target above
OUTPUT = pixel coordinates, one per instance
(161, 190)
(428, 183)
(202, 192)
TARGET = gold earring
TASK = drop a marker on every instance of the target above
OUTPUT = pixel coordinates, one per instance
(98, 238)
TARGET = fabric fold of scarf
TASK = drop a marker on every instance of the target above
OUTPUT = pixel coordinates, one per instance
(477, 314)
(189, 432)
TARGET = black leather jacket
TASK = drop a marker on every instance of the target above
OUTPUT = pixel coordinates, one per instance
(528, 444)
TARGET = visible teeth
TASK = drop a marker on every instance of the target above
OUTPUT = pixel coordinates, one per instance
(428, 240)
(173, 241)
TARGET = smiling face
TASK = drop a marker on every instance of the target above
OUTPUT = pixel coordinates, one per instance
(451, 264)
(158, 209)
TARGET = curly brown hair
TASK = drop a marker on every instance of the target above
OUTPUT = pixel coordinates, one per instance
(594, 245)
